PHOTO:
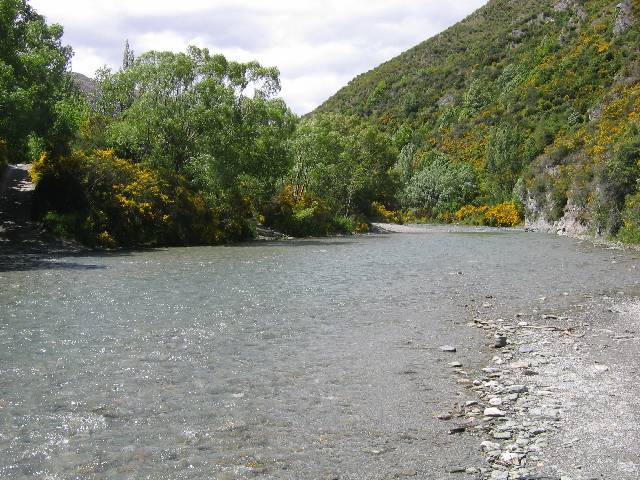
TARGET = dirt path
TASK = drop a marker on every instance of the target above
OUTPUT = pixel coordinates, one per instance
(16, 191)
(19, 234)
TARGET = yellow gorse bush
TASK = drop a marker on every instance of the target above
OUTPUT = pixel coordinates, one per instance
(501, 215)
(390, 216)
(122, 203)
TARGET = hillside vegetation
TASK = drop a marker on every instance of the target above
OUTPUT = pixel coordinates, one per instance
(526, 107)
(538, 100)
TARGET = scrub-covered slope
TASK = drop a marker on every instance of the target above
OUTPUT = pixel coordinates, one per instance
(540, 97)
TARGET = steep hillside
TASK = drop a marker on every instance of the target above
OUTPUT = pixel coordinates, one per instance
(87, 85)
(541, 97)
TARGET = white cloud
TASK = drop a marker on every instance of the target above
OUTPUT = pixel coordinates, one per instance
(318, 45)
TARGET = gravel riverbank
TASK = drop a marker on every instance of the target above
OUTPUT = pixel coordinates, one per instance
(560, 399)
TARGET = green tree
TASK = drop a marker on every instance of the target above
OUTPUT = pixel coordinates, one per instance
(440, 186)
(216, 120)
(345, 163)
(504, 162)
(34, 84)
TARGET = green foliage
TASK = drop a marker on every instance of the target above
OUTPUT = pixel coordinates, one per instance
(630, 231)
(106, 201)
(503, 161)
(34, 85)
(343, 162)
(518, 90)
(169, 109)
(297, 213)
(518, 100)
(440, 186)
(185, 124)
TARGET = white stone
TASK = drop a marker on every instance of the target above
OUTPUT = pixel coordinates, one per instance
(510, 458)
(489, 446)
(493, 412)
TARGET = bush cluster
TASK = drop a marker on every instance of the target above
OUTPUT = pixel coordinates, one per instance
(501, 215)
(107, 201)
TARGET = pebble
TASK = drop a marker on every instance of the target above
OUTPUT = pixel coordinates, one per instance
(455, 430)
(455, 364)
(489, 446)
(495, 401)
(502, 435)
(517, 389)
(499, 341)
(409, 472)
(448, 348)
(526, 349)
(458, 470)
(510, 458)
(493, 412)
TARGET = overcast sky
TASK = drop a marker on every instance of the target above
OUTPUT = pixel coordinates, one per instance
(318, 45)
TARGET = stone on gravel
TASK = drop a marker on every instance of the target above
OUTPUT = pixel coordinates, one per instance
(517, 388)
(409, 472)
(499, 341)
(489, 446)
(457, 470)
(493, 412)
(448, 348)
(455, 364)
(510, 458)
(495, 401)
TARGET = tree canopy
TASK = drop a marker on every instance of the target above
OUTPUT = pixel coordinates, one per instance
(34, 85)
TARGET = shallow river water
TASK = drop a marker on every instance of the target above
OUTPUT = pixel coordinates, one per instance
(312, 359)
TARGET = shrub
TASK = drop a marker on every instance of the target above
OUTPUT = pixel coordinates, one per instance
(440, 186)
(4, 153)
(105, 201)
(296, 213)
(501, 215)
(630, 230)
(380, 212)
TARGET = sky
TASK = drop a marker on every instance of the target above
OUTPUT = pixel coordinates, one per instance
(318, 45)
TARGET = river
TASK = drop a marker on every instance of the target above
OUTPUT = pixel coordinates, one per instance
(302, 359)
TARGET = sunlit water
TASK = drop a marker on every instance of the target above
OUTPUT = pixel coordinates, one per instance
(304, 359)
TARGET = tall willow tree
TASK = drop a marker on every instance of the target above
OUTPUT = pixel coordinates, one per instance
(34, 85)
(203, 116)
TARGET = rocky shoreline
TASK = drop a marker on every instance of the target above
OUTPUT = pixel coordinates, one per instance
(558, 399)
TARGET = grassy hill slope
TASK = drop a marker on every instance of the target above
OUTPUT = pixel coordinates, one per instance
(541, 97)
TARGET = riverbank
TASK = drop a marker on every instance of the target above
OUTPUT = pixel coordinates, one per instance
(559, 400)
